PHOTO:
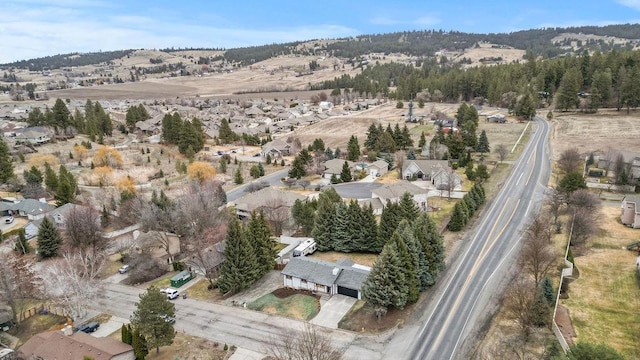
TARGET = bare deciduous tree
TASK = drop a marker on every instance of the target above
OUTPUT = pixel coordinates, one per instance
(277, 214)
(570, 160)
(308, 344)
(502, 152)
(18, 281)
(584, 224)
(537, 256)
(518, 300)
(69, 286)
(84, 239)
(204, 252)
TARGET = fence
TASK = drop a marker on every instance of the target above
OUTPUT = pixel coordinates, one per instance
(566, 272)
(40, 309)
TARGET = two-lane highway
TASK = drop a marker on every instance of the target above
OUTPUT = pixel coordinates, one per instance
(472, 280)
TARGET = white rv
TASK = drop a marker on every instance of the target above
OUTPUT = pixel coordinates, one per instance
(305, 248)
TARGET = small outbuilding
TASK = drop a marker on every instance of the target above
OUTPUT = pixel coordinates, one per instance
(181, 278)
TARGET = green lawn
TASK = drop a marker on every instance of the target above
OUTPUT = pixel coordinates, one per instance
(296, 306)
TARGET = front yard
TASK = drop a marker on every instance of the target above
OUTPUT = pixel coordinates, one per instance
(288, 302)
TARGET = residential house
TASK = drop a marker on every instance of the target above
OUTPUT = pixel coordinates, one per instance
(423, 169)
(631, 211)
(376, 205)
(334, 167)
(29, 208)
(58, 216)
(394, 192)
(378, 168)
(631, 160)
(497, 118)
(157, 243)
(343, 277)
(33, 136)
(446, 179)
(268, 199)
(276, 149)
(56, 345)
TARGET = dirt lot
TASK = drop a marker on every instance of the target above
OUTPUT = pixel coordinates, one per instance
(607, 130)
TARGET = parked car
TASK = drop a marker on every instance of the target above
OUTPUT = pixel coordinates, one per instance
(90, 327)
(171, 294)
(124, 268)
(9, 220)
(167, 318)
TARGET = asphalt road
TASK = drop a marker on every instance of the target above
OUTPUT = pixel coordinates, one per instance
(271, 179)
(470, 287)
(227, 325)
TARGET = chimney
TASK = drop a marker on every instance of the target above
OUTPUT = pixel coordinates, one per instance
(67, 330)
(335, 271)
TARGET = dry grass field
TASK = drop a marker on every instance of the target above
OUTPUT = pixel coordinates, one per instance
(606, 130)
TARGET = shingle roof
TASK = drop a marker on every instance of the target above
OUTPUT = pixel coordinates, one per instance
(266, 197)
(28, 206)
(314, 270)
(426, 165)
(343, 273)
(56, 345)
(396, 190)
(334, 166)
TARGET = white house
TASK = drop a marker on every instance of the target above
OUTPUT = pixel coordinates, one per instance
(631, 211)
(378, 168)
(343, 277)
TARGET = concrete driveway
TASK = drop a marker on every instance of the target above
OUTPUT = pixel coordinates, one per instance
(114, 324)
(333, 311)
(116, 278)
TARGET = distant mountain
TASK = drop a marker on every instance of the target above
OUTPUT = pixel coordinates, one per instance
(547, 42)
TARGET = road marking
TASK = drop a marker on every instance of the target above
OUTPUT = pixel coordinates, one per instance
(519, 178)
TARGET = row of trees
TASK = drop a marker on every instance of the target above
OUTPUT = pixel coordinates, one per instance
(95, 122)
(249, 253)
(135, 114)
(63, 185)
(409, 263)
(389, 140)
(188, 135)
(463, 210)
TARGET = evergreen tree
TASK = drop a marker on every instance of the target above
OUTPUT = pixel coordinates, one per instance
(324, 223)
(540, 312)
(260, 236)
(225, 134)
(368, 230)
(303, 213)
(50, 178)
(21, 246)
(328, 153)
(567, 94)
(297, 169)
(411, 155)
(60, 115)
(353, 149)
(260, 169)
(337, 153)
(268, 160)
(423, 141)
(67, 187)
(431, 241)
(408, 207)
(413, 258)
(471, 204)
(148, 321)
(546, 288)
(386, 284)
(372, 137)
(171, 125)
(6, 162)
(483, 143)
(340, 234)
(345, 174)
(237, 177)
(240, 268)
(482, 173)
(469, 172)
(125, 334)
(458, 218)
(139, 344)
(391, 217)
(572, 182)
(222, 165)
(49, 239)
(407, 141)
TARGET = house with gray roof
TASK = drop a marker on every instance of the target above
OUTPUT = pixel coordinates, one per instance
(276, 149)
(393, 193)
(334, 167)
(33, 136)
(29, 208)
(423, 169)
(268, 200)
(343, 277)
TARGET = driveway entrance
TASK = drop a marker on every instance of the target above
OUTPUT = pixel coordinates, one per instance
(333, 311)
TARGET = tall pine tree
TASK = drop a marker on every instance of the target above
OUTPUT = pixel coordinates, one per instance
(411, 254)
(49, 239)
(240, 268)
(391, 217)
(260, 236)
(6, 162)
(386, 285)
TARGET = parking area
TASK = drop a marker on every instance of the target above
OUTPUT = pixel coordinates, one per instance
(332, 311)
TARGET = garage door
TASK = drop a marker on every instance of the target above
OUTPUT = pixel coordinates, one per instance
(348, 292)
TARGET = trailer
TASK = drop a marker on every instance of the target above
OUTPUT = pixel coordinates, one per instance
(305, 248)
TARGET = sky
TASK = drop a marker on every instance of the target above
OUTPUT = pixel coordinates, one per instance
(36, 28)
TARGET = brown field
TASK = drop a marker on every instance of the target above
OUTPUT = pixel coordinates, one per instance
(606, 130)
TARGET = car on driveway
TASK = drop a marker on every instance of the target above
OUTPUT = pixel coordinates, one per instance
(89, 327)
(124, 268)
(9, 220)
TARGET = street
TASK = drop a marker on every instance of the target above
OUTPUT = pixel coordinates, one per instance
(271, 179)
(471, 285)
